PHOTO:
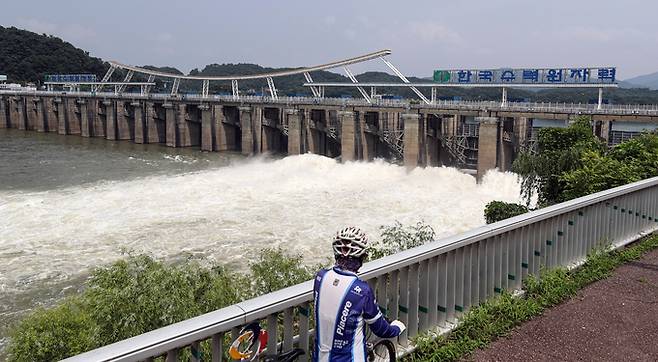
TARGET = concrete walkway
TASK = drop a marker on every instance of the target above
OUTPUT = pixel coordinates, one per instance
(615, 319)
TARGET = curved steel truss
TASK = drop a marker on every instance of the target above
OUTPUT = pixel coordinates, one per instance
(332, 65)
(269, 77)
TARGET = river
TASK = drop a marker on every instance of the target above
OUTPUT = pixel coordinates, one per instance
(68, 204)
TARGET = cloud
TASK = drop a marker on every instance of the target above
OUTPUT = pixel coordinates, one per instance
(70, 32)
(431, 32)
(329, 20)
(600, 35)
(164, 37)
(37, 26)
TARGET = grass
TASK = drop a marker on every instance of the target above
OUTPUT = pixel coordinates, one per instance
(497, 317)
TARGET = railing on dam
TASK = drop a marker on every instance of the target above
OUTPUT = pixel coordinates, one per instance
(429, 286)
(531, 107)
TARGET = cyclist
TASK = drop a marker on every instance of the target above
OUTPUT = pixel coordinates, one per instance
(343, 303)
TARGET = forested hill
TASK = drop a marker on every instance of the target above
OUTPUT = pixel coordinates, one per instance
(26, 57)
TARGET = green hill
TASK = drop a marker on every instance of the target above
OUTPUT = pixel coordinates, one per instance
(26, 57)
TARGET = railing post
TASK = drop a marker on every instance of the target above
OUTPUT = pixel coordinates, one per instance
(217, 347)
(403, 306)
(304, 325)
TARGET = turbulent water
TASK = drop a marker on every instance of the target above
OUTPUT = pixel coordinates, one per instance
(68, 206)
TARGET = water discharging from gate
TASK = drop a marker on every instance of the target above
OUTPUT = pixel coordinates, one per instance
(50, 235)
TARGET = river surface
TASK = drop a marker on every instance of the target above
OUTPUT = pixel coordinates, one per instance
(68, 204)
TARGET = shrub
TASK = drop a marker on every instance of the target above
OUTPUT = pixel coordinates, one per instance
(275, 270)
(54, 334)
(397, 237)
(498, 210)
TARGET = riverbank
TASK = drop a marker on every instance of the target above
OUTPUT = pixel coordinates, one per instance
(484, 324)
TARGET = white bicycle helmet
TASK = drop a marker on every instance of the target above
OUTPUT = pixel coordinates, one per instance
(350, 241)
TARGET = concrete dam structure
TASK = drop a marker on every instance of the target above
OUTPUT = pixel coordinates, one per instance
(479, 136)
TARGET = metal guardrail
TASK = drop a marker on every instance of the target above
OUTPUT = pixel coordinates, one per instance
(430, 286)
(439, 105)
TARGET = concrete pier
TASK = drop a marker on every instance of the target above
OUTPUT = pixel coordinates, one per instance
(125, 128)
(369, 139)
(4, 113)
(413, 131)
(348, 136)
(294, 132)
(271, 129)
(487, 145)
(309, 132)
(139, 133)
(432, 142)
(85, 126)
(51, 114)
(16, 114)
(247, 131)
(170, 125)
(62, 118)
(208, 132)
(228, 133)
(110, 120)
(155, 130)
(257, 128)
(73, 116)
(605, 131)
(41, 124)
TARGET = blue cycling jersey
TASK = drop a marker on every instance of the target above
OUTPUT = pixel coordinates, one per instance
(343, 303)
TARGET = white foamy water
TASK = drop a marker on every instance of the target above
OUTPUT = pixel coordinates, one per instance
(228, 214)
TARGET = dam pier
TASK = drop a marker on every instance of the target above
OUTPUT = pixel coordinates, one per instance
(470, 135)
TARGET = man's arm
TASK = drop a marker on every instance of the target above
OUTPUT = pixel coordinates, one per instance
(374, 318)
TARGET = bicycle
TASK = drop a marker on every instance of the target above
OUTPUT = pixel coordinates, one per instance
(251, 342)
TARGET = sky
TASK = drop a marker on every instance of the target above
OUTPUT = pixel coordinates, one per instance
(423, 35)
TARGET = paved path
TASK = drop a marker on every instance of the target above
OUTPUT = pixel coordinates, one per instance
(615, 319)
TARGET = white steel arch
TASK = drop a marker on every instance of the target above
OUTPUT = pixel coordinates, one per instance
(336, 64)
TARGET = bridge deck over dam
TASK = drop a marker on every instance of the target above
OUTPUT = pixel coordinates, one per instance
(475, 135)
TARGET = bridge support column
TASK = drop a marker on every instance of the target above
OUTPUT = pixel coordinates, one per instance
(605, 131)
(16, 114)
(51, 115)
(31, 113)
(312, 134)
(189, 132)
(124, 128)
(294, 132)
(208, 131)
(257, 128)
(368, 140)
(225, 134)
(413, 131)
(269, 139)
(505, 148)
(138, 121)
(247, 131)
(487, 145)
(85, 126)
(110, 120)
(4, 115)
(96, 122)
(432, 144)
(41, 121)
(155, 132)
(348, 136)
(170, 125)
(521, 132)
(62, 117)
(73, 117)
